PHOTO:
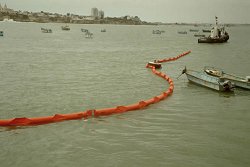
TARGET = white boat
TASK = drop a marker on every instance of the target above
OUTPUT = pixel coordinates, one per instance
(182, 32)
(194, 30)
(199, 35)
(203, 79)
(154, 64)
(66, 28)
(88, 35)
(237, 80)
(156, 32)
(84, 30)
(46, 30)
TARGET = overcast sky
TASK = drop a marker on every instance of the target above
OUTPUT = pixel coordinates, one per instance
(168, 11)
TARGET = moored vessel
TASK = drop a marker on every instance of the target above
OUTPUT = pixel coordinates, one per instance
(66, 28)
(154, 64)
(218, 35)
(238, 81)
(46, 30)
(212, 82)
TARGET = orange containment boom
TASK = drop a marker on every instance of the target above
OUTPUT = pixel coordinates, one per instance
(99, 112)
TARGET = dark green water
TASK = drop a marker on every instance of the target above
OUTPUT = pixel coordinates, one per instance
(63, 72)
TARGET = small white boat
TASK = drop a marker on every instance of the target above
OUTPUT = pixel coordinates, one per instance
(46, 30)
(66, 28)
(199, 35)
(237, 80)
(194, 30)
(88, 35)
(156, 32)
(203, 79)
(84, 30)
(154, 64)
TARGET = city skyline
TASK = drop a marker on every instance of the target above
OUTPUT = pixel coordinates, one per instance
(166, 11)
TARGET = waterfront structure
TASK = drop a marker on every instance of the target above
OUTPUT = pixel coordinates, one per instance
(96, 17)
(94, 12)
(97, 14)
(101, 14)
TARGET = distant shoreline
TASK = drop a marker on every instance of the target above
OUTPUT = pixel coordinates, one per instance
(45, 17)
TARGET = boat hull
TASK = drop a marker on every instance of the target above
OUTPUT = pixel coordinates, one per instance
(154, 64)
(205, 80)
(45, 30)
(206, 30)
(213, 40)
(241, 84)
(238, 81)
(65, 28)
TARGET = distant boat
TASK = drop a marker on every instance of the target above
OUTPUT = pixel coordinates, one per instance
(84, 30)
(203, 79)
(45, 30)
(66, 28)
(199, 35)
(156, 32)
(237, 80)
(88, 35)
(154, 64)
(206, 30)
(217, 35)
(1, 33)
(182, 32)
(194, 30)
(103, 30)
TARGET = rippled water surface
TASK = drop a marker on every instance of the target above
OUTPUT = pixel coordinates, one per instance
(63, 72)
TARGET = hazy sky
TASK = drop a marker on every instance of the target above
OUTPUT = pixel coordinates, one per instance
(195, 11)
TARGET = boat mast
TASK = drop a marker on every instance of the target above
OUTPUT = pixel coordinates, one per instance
(216, 20)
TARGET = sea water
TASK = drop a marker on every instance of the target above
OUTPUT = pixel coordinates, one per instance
(63, 72)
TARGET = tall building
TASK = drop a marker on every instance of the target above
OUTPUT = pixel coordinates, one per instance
(5, 9)
(101, 14)
(94, 12)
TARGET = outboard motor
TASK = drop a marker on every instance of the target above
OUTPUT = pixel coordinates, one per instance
(248, 78)
(228, 85)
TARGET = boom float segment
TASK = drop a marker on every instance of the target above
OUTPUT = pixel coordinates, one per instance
(99, 112)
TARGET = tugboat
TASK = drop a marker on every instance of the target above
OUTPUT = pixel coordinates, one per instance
(218, 35)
